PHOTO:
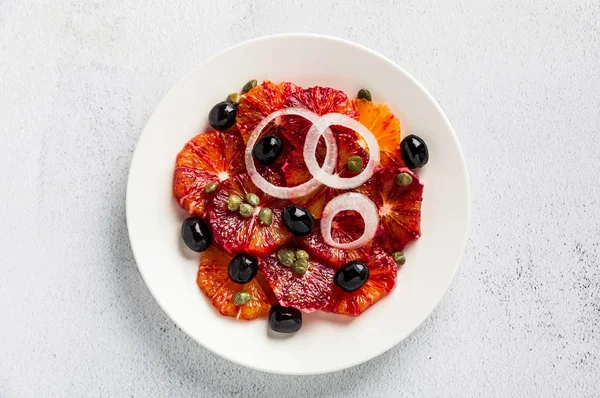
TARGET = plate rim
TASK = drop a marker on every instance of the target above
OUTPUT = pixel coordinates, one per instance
(193, 71)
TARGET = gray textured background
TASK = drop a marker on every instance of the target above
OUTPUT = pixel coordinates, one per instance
(519, 80)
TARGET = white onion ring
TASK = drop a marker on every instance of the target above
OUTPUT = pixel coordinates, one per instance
(304, 188)
(350, 201)
(324, 175)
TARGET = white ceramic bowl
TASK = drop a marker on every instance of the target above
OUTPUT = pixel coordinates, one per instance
(326, 342)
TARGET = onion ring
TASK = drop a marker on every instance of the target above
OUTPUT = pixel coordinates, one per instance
(304, 188)
(350, 201)
(325, 176)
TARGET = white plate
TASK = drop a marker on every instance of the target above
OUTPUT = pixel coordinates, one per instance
(326, 342)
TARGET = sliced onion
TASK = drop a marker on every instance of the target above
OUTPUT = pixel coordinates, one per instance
(310, 185)
(350, 201)
(325, 175)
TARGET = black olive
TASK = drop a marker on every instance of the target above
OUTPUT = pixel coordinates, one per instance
(222, 116)
(267, 149)
(285, 319)
(352, 276)
(196, 234)
(414, 152)
(243, 268)
(298, 220)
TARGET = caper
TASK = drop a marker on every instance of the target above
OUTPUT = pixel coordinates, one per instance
(403, 179)
(241, 297)
(300, 266)
(399, 258)
(234, 98)
(363, 93)
(233, 202)
(355, 163)
(301, 254)
(249, 86)
(212, 187)
(252, 199)
(246, 210)
(265, 216)
(286, 257)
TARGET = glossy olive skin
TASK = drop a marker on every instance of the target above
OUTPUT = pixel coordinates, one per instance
(196, 234)
(298, 220)
(414, 152)
(242, 268)
(351, 276)
(267, 149)
(222, 116)
(285, 319)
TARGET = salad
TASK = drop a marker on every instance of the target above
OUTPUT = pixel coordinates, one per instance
(300, 199)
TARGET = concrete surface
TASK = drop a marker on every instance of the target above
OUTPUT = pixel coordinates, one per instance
(519, 80)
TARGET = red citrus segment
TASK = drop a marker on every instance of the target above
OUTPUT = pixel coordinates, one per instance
(213, 280)
(320, 100)
(188, 189)
(257, 307)
(206, 158)
(238, 234)
(308, 292)
(399, 207)
(382, 280)
(346, 227)
(391, 159)
(274, 172)
(385, 127)
(296, 172)
(259, 103)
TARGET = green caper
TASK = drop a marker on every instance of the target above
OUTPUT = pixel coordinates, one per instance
(249, 86)
(300, 266)
(234, 98)
(286, 257)
(403, 179)
(363, 93)
(246, 210)
(355, 163)
(301, 254)
(252, 199)
(233, 202)
(241, 297)
(399, 258)
(265, 216)
(212, 187)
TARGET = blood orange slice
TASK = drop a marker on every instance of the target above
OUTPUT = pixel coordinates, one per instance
(260, 102)
(382, 280)
(296, 172)
(399, 207)
(308, 292)
(346, 227)
(385, 127)
(236, 233)
(320, 100)
(206, 158)
(213, 280)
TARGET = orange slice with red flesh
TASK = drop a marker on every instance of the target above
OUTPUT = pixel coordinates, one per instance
(213, 280)
(382, 280)
(385, 127)
(237, 234)
(399, 207)
(206, 158)
(308, 292)
(320, 100)
(259, 103)
(346, 227)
